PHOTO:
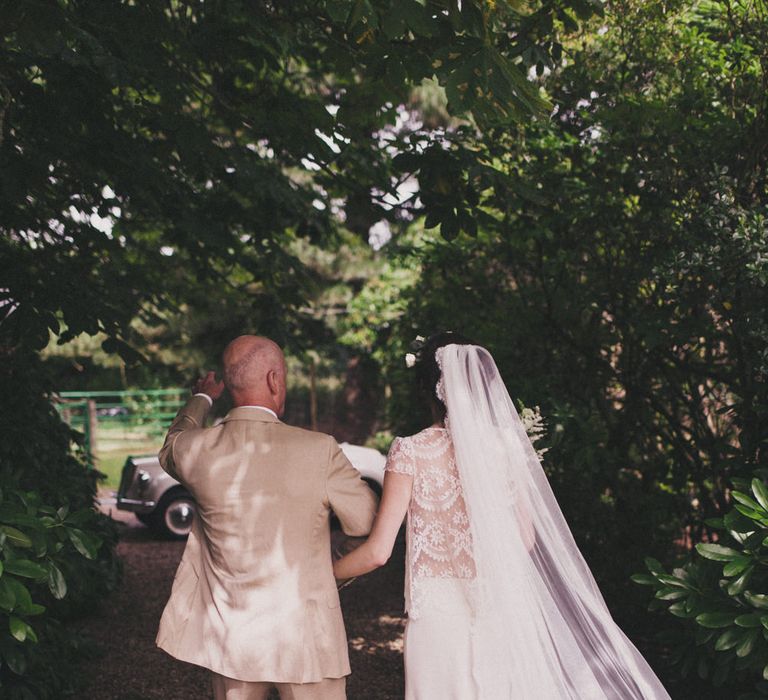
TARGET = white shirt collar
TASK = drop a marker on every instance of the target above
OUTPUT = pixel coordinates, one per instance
(263, 408)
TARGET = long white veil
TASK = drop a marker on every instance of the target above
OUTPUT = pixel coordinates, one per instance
(542, 629)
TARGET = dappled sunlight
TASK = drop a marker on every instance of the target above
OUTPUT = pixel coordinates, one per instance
(389, 639)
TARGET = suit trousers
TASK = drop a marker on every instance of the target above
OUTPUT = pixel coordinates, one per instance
(230, 689)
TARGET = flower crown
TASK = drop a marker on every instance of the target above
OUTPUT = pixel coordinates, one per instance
(417, 344)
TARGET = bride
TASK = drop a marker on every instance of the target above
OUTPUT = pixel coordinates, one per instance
(501, 605)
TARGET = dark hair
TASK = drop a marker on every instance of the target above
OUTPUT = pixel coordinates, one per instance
(428, 371)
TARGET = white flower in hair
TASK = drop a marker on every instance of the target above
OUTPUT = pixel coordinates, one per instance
(410, 360)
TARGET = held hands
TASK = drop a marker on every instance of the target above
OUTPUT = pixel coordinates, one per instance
(209, 385)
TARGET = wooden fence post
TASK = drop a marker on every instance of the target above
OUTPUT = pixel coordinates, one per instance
(93, 423)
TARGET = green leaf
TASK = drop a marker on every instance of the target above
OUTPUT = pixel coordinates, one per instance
(36, 609)
(713, 620)
(25, 568)
(16, 537)
(749, 502)
(736, 566)
(717, 552)
(22, 598)
(643, 579)
(20, 630)
(449, 228)
(15, 660)
(7, 596)
(669, 593)
(337, 10)
(756, 600)
(737, 586)
(750, 513)
(729, 639)
(761, 492)
(745, 647)
(393, 25)
(679, 609)
(738, 522)
(672, 581)
(83, 542)
(750, 620)
(654, 565)
(433, 218)
(56, 582)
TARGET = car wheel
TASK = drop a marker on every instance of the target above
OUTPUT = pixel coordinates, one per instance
(174, 514)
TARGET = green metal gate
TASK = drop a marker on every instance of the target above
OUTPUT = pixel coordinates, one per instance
(113, 418)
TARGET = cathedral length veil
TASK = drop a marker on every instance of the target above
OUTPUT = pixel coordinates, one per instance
(541, 627)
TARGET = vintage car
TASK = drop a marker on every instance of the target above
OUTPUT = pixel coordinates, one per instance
(164, 505)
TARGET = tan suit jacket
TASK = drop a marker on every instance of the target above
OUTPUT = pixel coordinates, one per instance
(254, 597)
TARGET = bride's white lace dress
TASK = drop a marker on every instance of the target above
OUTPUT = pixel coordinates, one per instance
(501, 604)
(439, 570)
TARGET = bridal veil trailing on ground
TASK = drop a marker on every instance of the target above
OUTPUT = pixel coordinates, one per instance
(540, 626)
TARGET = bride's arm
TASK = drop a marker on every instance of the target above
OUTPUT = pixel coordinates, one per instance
(376, 550)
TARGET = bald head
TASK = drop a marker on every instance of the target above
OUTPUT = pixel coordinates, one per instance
(254, 372)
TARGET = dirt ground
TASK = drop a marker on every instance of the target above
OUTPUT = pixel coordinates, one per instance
(130, 667)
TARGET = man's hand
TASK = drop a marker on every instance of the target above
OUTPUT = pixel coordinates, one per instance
(209, 385)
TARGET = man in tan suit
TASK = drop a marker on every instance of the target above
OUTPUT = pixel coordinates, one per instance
(254, 599)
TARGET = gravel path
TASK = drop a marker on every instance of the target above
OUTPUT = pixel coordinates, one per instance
(130, 667)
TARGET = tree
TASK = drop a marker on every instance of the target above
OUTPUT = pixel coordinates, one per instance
(618, 274)
(156, 153)
(208, 134)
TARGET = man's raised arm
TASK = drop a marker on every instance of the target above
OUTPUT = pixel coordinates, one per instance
(192, 415)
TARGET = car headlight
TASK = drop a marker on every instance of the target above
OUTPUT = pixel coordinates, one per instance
(142, 479)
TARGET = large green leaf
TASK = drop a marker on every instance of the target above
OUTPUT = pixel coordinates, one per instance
(25, 568)
(738, 522)
(749, 620)
(673, 581)
(716, 619)
(735, 567)
(747, 644)
(15, 659)
(738, 585)
(56, 582)
(654, 565)
(22, 597)
(757, 600)
(7, 595)
(83, 542)
(16, 537)
(749, 503)
(20, 630)
(761, 492)
(730, 638)
(670, 593)
(717, 552)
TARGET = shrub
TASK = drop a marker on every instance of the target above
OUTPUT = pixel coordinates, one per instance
(721, 596)
(57, 555)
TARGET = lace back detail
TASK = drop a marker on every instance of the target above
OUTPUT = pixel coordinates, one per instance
(438, 529)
